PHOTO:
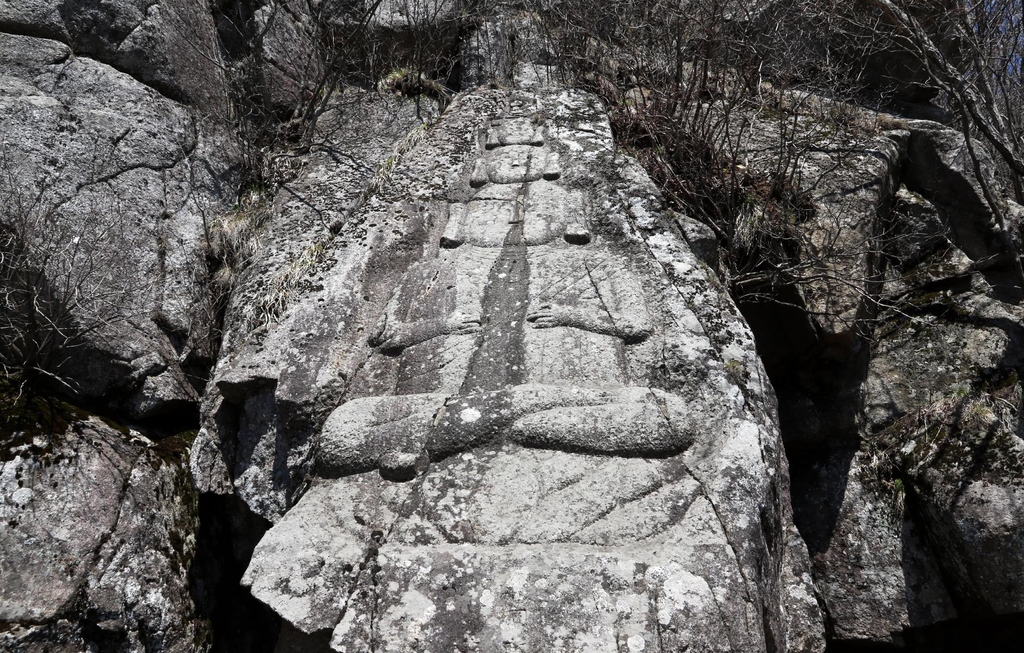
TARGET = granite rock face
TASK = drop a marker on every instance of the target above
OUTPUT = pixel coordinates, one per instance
(552, 431)
(899, 399)
(477, 388)
(291, 63)
(271, 53)
(956, 445)
(874, 571)
(268, 392)
(118, 186)
(920, 523)
(97, 539)
(170, 45)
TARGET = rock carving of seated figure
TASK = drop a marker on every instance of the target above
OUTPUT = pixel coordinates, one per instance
(542, 315)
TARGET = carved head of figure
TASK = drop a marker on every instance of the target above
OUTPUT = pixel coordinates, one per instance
(514, 153)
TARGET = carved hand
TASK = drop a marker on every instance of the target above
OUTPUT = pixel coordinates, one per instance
(394, 337)
(460, 324)
(547, 316)
(380, 334)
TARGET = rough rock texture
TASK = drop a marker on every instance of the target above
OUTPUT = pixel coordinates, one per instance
(913, 526)
(809, 333)
(958, 447)
(478, 388)
(875, 574)
(900, 430)
(939, 168)
(170, 45)
(97, 539)
(553, 433)
(393, 37)
(271, 52)
(268, 391)
(291, 64)
(486, 55)
(95, 160)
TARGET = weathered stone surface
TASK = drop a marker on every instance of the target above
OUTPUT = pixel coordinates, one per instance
(269, 384)
(947, 369)
(917, 231)
(966, 479)
(170, 45)
(414, 16)
(946, 342)
(701, 239)
(811, 294)
(543, 398)
(289, 57)
(37, 17)
(272, 53)
(486, 55)
(876, 575)
(939, 168)
(486, 388)
(98, 537)
(386, 37)
(79, 487)
(849, 177)
(902, 455)
(910, 322)
(130, 180)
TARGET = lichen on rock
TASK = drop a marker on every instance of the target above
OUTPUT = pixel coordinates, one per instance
(541, 445)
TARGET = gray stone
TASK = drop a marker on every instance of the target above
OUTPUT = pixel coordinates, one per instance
(813, 271)
(876, 575)
(942, 383)
(170, 45)
(969, 484)
(884, 444)
(486, 55)
(940, 169)
(847, 176)
(389, 38)
(59, 506)
(943, 342)
(402, 15)
(269, 383)
(99, 533)
(918, 229)
(36, 17)
(132, 181)
(289, 56)
(552, 431)
(701, 239)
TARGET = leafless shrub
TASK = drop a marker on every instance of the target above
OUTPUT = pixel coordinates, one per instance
(59, 283)
(693, 88)
(971, 52)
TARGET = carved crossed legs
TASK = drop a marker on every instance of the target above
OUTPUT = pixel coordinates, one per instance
(401, 434)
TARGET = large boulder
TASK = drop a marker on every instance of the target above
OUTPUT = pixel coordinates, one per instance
(944, 382)
(114, 190)
(548, 426)
(289, 53)
(379, 38)
(98, 537)
(900, 437)
(810, 259)
(273, 52)
(876, 574)
(940, 168)
(170, 45)
(917, 523)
